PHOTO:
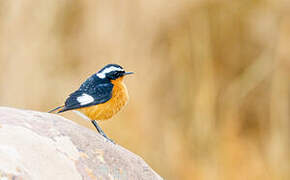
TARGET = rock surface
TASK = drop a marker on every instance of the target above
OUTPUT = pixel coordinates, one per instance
(36, 145)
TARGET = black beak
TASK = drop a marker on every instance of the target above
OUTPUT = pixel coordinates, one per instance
(127, 73)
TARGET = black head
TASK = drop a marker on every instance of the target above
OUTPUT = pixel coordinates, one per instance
(112, 72)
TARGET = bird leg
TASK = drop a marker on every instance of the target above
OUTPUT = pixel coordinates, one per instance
(101, 131)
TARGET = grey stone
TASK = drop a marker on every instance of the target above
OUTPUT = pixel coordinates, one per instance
(42, 146)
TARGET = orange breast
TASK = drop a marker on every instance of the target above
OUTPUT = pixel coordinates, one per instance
(110, 108)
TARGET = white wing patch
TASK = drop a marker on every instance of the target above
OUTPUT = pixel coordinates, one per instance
(85, 99)
(103, 73)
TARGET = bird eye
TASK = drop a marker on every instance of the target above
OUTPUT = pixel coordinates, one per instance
(119, 73)
(116, 73)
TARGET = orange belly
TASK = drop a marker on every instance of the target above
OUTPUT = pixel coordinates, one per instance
(110, 108)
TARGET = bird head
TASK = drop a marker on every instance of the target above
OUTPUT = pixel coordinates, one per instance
(112, 72)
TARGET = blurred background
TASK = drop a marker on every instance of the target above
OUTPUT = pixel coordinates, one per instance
(210, 97)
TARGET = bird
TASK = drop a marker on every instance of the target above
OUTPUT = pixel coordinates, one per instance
(100, 97)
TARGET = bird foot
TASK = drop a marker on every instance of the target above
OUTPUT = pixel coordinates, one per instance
(101, 131)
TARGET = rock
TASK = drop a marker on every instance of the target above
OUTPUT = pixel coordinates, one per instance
(36, 145)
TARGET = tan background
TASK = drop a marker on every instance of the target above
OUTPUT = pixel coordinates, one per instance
(210, 97)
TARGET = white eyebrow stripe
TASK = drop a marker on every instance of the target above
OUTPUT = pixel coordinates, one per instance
(103, 73)
(85, 99)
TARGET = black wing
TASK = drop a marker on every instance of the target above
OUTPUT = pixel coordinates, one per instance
(97, 94)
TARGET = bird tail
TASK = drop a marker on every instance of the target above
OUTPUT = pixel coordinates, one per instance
(55, 109)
